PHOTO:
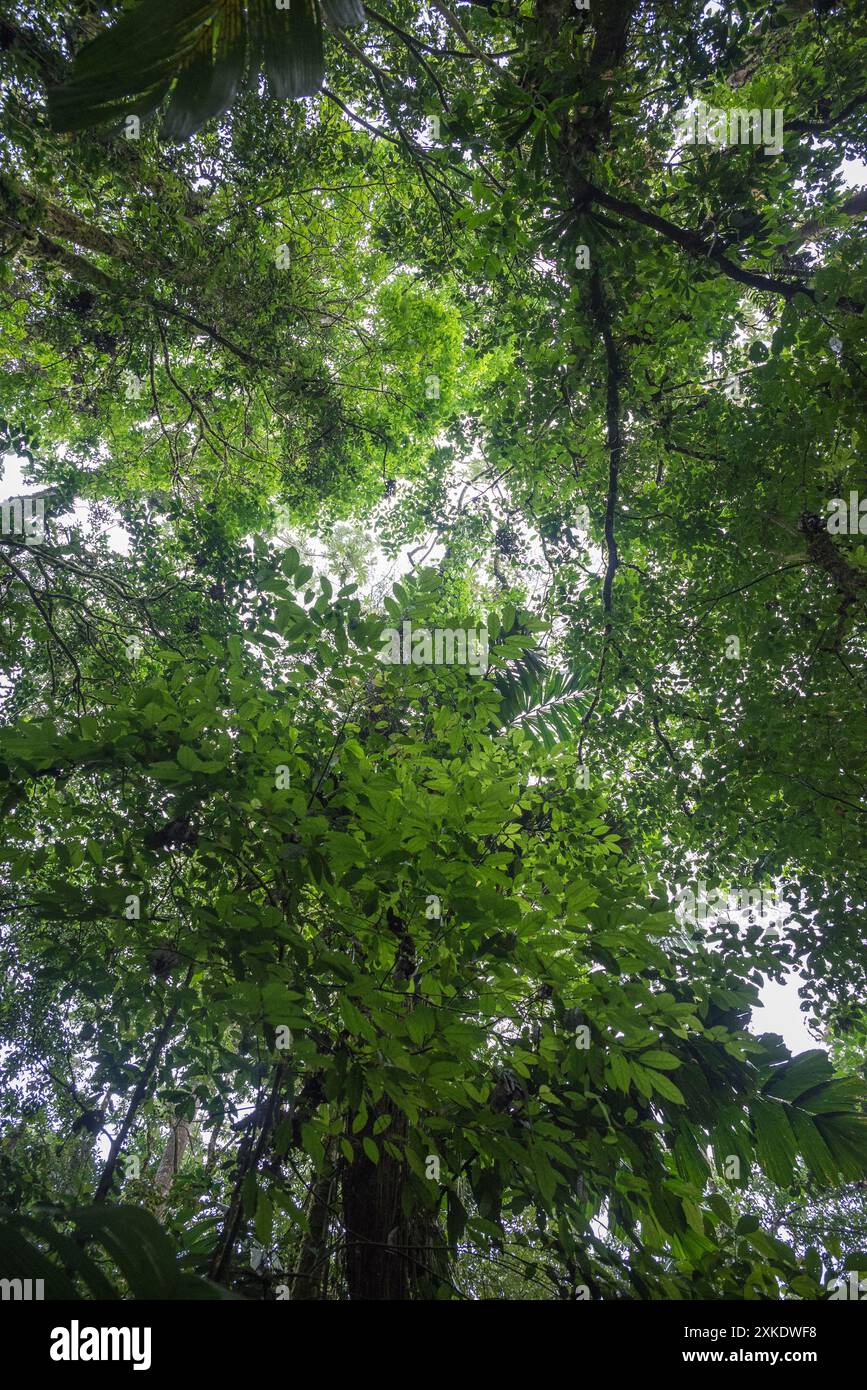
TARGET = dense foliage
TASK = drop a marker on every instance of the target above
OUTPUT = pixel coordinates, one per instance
(333, 976)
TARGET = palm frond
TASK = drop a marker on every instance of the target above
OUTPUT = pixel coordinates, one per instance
(200, 51)
(548, 705)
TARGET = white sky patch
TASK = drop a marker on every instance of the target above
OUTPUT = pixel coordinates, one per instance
(853, 172)
(12, 484)
(780, 1012)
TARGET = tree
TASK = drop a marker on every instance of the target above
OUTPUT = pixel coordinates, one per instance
(392, 936)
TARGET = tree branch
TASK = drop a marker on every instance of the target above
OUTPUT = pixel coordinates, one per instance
(138, 1095)
(695, 245)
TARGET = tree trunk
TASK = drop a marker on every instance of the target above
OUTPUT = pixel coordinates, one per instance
(173, 1153)
(313, 1262)
(389, 1255)
(376, 1235)
(104, 1185)
(850, 581)
(211, 1156)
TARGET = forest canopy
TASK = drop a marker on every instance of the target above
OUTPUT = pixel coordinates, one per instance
(432, 648)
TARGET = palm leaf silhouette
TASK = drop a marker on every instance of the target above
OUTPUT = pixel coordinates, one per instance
(200, 51)
(548, 704)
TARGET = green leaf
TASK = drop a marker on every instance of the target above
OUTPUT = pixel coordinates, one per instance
(206, 86)
(661, 1060)
(775, 1140)
(288, 45)
(792, 1079)
(666, 1087)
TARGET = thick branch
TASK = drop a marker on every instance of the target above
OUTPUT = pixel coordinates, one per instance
(695, 245)
(248, 1164)
(613, 437)
(823, 553)
(139, 1094)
